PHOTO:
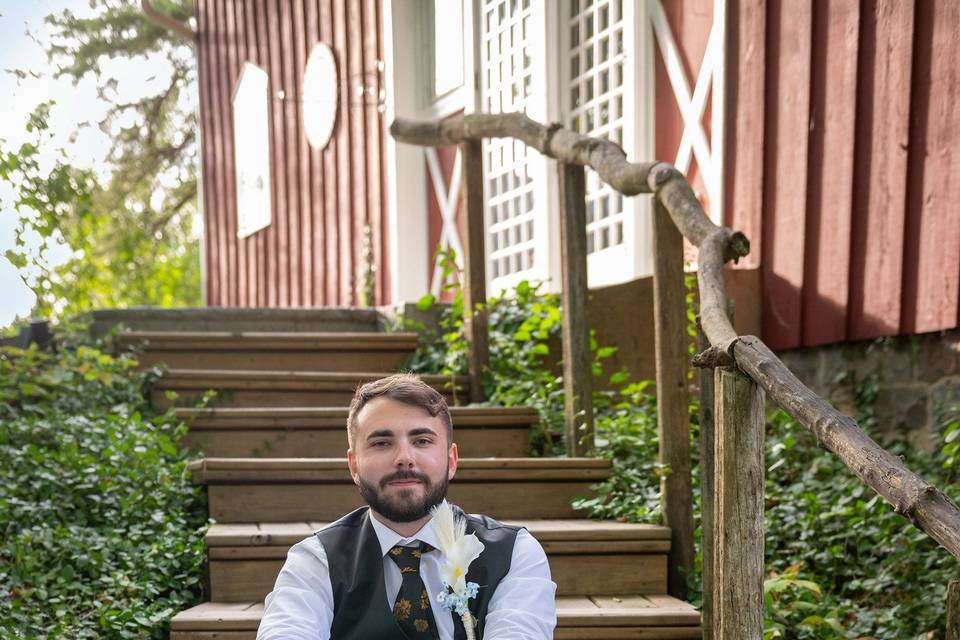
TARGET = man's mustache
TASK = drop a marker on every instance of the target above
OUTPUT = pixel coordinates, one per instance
(404, 475)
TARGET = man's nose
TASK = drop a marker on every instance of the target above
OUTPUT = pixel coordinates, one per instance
(404, 455)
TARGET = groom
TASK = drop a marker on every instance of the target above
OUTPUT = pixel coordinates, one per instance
(375, 573)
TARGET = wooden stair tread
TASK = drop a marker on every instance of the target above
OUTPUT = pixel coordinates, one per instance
(253, 379)
(285, 534)
(336, 417)
(239, 470)
(269, 340)
(572, 611)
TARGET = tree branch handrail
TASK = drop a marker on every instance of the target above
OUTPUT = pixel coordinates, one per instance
(924, 505)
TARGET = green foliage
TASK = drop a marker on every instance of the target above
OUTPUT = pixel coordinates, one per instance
(101, 533)
(841, 562)
(127, 230)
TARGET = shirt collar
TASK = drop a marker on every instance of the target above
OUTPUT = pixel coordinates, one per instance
(388, 538)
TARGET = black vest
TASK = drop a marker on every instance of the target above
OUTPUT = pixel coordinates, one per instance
(360, 606)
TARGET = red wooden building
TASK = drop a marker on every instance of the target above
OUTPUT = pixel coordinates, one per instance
(825, 131)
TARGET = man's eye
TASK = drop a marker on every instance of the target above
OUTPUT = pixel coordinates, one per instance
(380, 443)
(424, 441)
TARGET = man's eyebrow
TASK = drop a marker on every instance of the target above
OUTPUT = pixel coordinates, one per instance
(382, 433)
(420, 431)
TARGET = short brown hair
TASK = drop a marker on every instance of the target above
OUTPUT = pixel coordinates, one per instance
(402, 387)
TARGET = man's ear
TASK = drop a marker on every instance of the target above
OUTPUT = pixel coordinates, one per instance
(453, 457)
(352, 465)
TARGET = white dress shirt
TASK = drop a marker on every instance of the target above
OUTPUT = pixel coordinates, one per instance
(522, 607)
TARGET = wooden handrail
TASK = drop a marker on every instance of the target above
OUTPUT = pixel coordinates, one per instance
(923, 504)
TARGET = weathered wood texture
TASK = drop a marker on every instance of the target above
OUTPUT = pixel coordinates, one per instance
(707, 485)
(327, 235)
(849, 104)
(577, 374)
(474, 260)
(738, 526)
(953, 610)
(673, 424)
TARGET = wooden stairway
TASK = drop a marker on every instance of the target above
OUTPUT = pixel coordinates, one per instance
(276, 443)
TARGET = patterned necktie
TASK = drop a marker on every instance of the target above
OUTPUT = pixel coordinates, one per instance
(412, 610)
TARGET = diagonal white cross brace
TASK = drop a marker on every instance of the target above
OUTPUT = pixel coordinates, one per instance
(693, 142)
(447, 196)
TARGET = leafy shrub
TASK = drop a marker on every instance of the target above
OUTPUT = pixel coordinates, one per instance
(841, 562)
(101, 533)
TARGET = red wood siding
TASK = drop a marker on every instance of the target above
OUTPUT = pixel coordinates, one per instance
(327, 236)
(842, 124)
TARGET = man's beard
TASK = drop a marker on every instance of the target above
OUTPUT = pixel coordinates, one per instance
(395, 508)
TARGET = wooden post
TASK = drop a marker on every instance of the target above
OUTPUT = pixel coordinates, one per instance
(953, 610)
(577, 374)
(738, 512)
(474, 261)
(707, 466)
(673, 421)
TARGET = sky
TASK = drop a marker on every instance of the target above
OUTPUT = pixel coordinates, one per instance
(74, 105)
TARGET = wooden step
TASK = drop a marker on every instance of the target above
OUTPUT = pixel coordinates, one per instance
(279, 388)
(273, 351)
(320, 489)
(622, 558)
(604, 617)
(282, 432)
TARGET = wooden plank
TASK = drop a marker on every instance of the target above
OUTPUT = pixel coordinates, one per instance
(238, 279)
(882, 136)
(331, 247)
(258, 30)
(229, 211)
(289, 106)
(707, 487)
(358, 151)
(276, 259)
(738, 571)
(953, 610)
(577, 374)
(785, 172)
(346, 210)
(281, 502)
(374, 132)
(315, 178)
(931, 256)
(833, 109)
(211, 293)
(246, 255)
(217, 170)
(475, 277)
(300, 49)
(673, 423)
(744, 148)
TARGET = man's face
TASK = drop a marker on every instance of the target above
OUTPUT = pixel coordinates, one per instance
(401, 459)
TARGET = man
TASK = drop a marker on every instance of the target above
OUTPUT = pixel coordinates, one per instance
(375, 573)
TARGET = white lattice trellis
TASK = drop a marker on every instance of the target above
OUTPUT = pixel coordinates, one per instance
(507, 83)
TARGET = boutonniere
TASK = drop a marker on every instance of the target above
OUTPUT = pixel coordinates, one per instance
(459, 550)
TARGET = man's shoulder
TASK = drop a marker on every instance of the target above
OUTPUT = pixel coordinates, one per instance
(481, 521)
(353, 520)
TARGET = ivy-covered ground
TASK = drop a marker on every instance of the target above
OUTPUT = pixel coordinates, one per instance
(841, 563)
(101, 532)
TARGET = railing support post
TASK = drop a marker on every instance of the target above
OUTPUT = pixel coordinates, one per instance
(738, 510)
(953, 610)
(577, 374)
(475, 278)
(673, 420)
(707, 488)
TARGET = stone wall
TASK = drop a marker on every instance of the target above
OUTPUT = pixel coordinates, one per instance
(916, 380)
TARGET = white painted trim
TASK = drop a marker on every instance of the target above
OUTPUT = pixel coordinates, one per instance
(718, 112)
(406, 173)
(644, 102)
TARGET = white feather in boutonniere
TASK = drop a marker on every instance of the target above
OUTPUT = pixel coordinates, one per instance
(459, 550)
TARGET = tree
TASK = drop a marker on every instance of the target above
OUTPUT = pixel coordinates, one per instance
(128, 230)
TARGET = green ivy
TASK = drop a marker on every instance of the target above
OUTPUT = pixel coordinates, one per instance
(841, 562)
(101, 532)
